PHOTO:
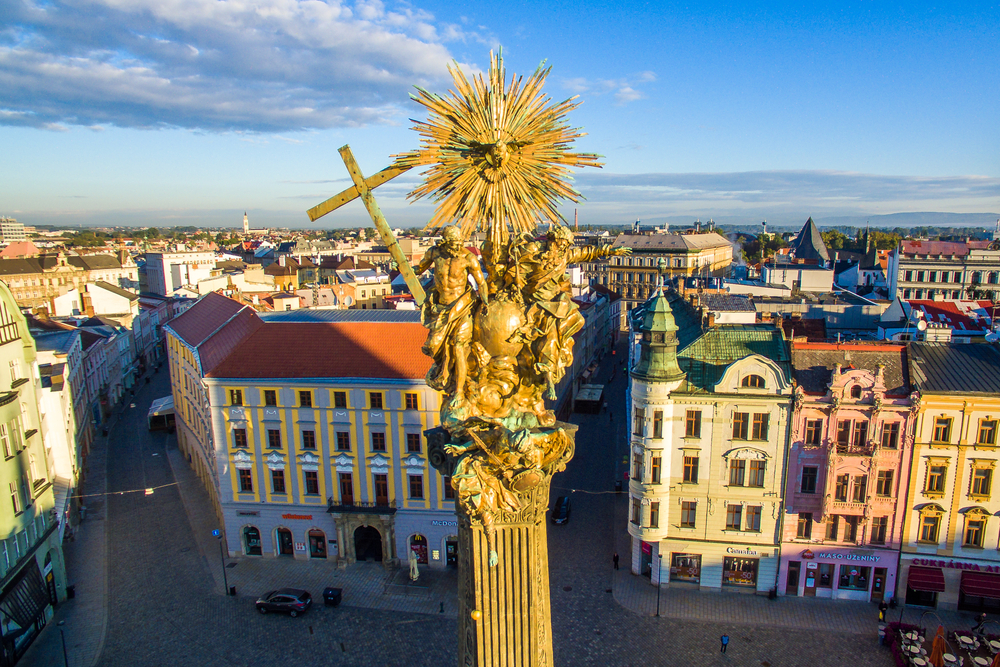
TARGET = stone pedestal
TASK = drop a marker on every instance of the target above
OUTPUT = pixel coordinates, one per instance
(513, 626)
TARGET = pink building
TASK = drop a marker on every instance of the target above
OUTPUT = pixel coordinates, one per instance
(848, 470)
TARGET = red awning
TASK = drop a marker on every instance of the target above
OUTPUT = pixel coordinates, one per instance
(981, 585)
(927, 579)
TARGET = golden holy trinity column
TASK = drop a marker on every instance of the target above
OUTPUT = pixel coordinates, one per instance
(500, 333)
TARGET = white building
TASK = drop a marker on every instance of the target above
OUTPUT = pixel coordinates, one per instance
(166, 272)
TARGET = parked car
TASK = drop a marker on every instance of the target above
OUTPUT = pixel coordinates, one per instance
(560, 511)
(294, 601)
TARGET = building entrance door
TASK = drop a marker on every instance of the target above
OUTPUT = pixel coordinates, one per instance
(285, 546)
(809, 590)
(368, 544)
(878, 584)
(792, 582)
(451, 553)
(317, 544)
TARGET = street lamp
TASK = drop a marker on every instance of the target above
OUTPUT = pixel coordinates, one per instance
(659, 582)
(63, 635)
(222, 557)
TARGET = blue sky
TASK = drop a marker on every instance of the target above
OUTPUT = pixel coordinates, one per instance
(165, 112)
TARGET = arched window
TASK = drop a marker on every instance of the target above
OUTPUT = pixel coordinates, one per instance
(251, 541)
(418, 546)
(856, 391)
(753, 381)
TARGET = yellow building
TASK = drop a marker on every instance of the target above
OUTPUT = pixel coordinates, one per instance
(319, 428)
(951, 534)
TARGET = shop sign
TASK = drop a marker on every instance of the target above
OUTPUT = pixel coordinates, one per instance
(248, 513)
(956, 565)
(741, 552)
(300, 517)
(812, 566)
(647, 548)
(300, 546)
(871, 558)
(439, 522)
(808, 554)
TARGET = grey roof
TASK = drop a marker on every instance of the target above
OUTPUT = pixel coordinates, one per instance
(304, 315)
(809, 244)
(728, 303)
(813, 368)
(669, 242)
(59, 341)
(964, 369)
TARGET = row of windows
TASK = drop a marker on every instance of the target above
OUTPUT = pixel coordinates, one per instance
(742, 472)
(310, 482)
(932, 294)
(743, 427)
(855, 432)
(991, 277)
(980, 484)
(378, 440)
(738, 517)
(305, 397)
(851, 531)
(986, 435)
(848, 488)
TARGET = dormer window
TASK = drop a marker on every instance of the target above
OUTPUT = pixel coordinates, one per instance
(856, 391)
(753, 382)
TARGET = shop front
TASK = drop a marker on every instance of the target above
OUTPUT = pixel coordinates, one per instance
(431, 536)
(685, 568)
(839, 574)
(716, 566)
(966, 585)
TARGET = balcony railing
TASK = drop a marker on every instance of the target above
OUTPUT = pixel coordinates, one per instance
(361, 507)
(852, 449)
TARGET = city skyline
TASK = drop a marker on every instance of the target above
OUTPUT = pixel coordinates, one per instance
(176, 114)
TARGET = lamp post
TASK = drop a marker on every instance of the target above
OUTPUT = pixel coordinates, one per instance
(63, 635)
(222, 557)
(659, 582)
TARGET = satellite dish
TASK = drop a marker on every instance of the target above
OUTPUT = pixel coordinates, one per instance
(921, 325)
(348, 301)
(992, 337)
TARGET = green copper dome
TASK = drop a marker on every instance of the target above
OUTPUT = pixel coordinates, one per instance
(658, 347)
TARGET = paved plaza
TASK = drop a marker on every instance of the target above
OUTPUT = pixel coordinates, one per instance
(150, 590)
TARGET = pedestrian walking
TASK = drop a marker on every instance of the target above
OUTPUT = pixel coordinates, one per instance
(725, 642)
(614, 559)
(882, 607)
(980, 622)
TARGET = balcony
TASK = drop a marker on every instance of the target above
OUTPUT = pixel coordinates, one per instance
(865, 449)
(848, 507)
(360, 508)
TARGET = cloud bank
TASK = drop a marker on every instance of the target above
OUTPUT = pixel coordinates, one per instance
(216, 65)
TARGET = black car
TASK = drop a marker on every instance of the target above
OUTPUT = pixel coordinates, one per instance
(291, 600)
(560, 511)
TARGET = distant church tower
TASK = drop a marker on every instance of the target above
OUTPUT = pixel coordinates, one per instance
(246, 224)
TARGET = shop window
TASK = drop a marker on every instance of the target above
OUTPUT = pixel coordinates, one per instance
(692, 425)
(804, 530)
(240, 438)
(987, 432)
(657, 424)
(982, 479)
(825, 579)
(860, 491)
(418, 547)
(757, 473)
(890, 435)
(311, 478)
(809, 475)
(346, 488)
(305, 399)
(691, 469)
(273, 438)
(317, 544)
(851, 524)
(340, 399)
(277, 481)
(880, 525)
(935, 479)
(375, 400)
(753, 382)
(343, 441)
(654, 470)
(638, 423)
(929, 528)
(235, 397)
(413, 443)
(883, 484)
(741, 421)
(832, 527)
(654, 515)
(378, 441)
(685, 567)
(760, 421)
(411, 401)
(270, 397)
(739, 571)
(734, 517)
(753, 518)
(308, 439)
(854, 577)
(942, 429)
(814, 431)
(974, 530)
(737, 472)
(841, 489)
(688, 513)
(449, 490)
(856, 391)
(251, 541)
(416, 486)
(246, 481)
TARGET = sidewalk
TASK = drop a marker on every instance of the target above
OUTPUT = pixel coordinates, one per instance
(367, 585)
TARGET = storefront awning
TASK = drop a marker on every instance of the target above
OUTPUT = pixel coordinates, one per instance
(981, 585)
(927, 579)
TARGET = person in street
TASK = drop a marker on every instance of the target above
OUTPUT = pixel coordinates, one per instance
(980, 622)
(614, 559)
(882, 607)
(725, 642)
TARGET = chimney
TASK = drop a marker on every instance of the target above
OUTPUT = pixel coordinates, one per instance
(711, 319)
(281, 261)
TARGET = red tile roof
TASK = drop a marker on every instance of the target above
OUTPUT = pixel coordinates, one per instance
(224, 341)
(202, 319)
(958, 314)
(382, 350)
(941, 247)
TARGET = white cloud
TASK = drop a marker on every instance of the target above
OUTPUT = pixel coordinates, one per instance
(624, 89)
(256, 65)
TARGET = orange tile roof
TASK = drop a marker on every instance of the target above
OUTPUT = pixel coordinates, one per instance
(376, 350)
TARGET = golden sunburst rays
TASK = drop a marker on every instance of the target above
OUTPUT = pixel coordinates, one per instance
(498, 155)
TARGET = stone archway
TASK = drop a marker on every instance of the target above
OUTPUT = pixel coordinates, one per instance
(367, 543)
(348, 522)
